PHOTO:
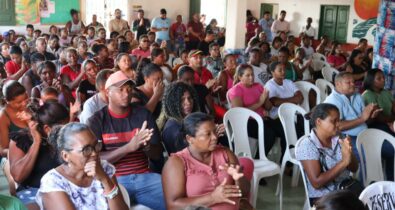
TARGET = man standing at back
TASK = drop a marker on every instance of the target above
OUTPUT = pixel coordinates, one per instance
(141, 25)
(161, 25)
(266, 25)
(280, 25)
(130, 139)
(118, 24)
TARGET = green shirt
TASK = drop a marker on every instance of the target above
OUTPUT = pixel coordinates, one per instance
(290, 72)
(10, 203)
(383, 99)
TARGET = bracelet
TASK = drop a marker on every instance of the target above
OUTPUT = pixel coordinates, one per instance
(112, 193)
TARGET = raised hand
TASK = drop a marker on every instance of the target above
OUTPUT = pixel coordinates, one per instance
(34, 132)
(220, 129)
(24, 116)
(233, 170)
(159, 89)
(223, 192)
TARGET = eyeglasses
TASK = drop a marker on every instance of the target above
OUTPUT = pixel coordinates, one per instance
(88, 149)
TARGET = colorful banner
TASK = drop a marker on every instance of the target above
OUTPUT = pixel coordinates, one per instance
(26, 12)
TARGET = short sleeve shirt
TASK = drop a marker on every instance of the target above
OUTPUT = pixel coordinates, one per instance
(311, 149)
(286, 90)
(261, 74)
(204, 77)
(383, 99)
(87, 88)
(138, 52)
(350, 109)
(248, 95)
(84, 198)
(160, 23)
(69, 72)
(197, 27)
(92, 105)
(11, 67)
(117, 130)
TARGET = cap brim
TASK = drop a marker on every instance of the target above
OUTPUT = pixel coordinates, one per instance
(121, 83)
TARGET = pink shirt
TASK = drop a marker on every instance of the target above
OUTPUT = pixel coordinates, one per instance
(202, 179)
(138, 52)
(248, 95)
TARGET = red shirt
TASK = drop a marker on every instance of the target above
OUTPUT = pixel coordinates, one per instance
(178, 29)
(11, 67)
(336, 60)
(139, 53)
(204, 77)
(69, 72)
(197, 27)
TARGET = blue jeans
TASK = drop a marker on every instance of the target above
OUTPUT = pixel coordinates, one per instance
(144, 189)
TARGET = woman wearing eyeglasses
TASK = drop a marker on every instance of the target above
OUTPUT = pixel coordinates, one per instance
(82, 181)
(31, 155)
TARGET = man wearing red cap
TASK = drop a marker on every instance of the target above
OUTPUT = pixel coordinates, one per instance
(130, 140)
(202, 75)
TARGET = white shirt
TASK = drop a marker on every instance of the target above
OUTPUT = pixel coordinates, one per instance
(279, 25)
(261, 74)
(287, 90)
(309, 32)
(92, 105)
(309, 51)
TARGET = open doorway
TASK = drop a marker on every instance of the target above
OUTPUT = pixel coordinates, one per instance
(272, 8)
(214, 10)
(104, 10)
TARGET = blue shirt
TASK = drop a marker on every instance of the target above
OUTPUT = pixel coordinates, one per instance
(350, 109)
(160, 23)
(266, 27)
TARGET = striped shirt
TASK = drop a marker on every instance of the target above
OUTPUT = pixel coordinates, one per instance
(117, 130)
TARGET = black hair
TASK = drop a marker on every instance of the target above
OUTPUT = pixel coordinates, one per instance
(354, 53)
(102, 77)
(192, 122)
(369, 50)
(284, 50)
(86, 62)
(283, 11)
(362, 40)
(267, 44)
(46, 64)
(156, 52)
(228, 56)
(29, 26)
(73, 12)
(50, 113)
(16, 50)
(143, 36)
(13, 89)
(240, 70)
(255, 50)
(150, 69)
(54, 36)
(368, 82)
(118, 58)
(321, 111)
(266, 12)
(113, 35)
(214, 44)
(273, 66)
(96, 48)
(124, 47)
(163, 11)
(172, 100)
(184, 69)
(65, 137)
(340, 200)
(37, 57)
(277, 39)
(334, 46)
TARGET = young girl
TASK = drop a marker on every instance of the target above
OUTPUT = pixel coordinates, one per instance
(87, 87)
(124, 63)
(326, 158)
(71, 74)
(276, 44)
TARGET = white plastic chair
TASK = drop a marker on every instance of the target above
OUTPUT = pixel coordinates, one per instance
(325, 88)
(318, 65)
(306, 205)
(380, 190)
(287, 114)
(329, 72)
(318, 56)
(125, 194)
(235, 121)
(369, 143)
(305, 88)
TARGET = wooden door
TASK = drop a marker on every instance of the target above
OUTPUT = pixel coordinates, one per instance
(7, 11)
(266, 7)
(334, 22)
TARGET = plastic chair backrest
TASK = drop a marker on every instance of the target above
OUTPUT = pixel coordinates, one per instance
(329, 73)
(325, 88)
(235, 121)
(318, 65)
(287, 114)
(379, 195)
(318, 56)
(302, 170)
(125, 194)
(305, 88)
(228, 99)
(369, 143)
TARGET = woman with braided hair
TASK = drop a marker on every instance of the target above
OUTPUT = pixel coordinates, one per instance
(31, 155)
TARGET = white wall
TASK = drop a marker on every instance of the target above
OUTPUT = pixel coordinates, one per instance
(299, 10)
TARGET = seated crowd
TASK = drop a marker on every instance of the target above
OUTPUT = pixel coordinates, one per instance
(85, 115)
